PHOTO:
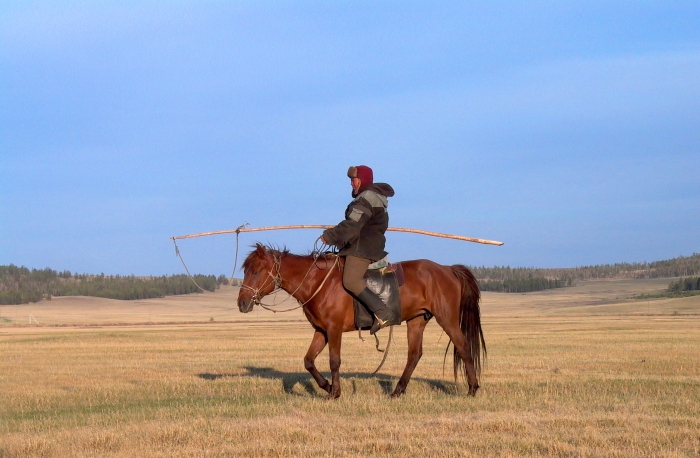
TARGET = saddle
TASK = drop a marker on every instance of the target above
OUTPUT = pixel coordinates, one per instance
(384, 282)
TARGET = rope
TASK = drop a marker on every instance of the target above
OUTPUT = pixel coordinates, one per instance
(300, 283)
(386, 350)
(177, 252)
(235, 262)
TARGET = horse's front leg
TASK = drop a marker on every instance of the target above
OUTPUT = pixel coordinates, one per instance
(318, 343)
(335, 337)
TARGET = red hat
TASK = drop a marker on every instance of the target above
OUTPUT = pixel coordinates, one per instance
(362, 172)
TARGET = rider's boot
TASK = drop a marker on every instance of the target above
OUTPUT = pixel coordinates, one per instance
(382, 315)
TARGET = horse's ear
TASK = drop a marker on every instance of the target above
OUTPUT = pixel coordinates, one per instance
(260, 250)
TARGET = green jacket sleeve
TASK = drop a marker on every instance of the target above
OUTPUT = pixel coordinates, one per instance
(347, 231)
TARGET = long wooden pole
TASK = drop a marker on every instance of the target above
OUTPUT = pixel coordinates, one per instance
(319, 226)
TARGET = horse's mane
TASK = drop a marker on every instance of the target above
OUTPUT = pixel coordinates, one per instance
(276, 251)
(256, 256)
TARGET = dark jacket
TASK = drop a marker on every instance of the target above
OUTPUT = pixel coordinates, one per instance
(361, 234)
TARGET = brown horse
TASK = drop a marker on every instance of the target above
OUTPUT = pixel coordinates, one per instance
(450, 294)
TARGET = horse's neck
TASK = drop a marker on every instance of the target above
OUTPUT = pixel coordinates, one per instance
(296, 275)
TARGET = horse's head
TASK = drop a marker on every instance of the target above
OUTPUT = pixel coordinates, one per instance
(261, 277)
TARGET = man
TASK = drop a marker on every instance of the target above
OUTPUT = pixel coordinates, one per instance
(360, 238)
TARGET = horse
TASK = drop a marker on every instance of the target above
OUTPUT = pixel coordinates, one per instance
(448, 293)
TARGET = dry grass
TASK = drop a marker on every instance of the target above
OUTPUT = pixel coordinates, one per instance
(573, 372)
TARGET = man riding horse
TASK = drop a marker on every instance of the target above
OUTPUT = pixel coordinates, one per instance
(450, 294)
(360, 239)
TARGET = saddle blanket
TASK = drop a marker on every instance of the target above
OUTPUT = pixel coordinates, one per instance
(384, 283)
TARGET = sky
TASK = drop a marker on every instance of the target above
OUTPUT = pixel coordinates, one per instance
(570, 131)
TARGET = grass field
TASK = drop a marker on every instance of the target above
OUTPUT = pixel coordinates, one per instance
(582, 371)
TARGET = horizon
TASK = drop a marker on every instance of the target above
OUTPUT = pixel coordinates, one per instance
(184, 272)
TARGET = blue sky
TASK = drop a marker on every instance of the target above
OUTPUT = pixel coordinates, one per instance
(568, 130)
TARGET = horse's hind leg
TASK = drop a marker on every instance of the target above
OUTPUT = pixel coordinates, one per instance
(464, 351)
(318, 343)
(416, 327)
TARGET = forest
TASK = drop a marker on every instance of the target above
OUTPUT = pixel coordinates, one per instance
(526, 279)
(20, 285)
(523, 285)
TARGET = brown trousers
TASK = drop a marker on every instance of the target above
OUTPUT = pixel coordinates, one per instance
(354, 273)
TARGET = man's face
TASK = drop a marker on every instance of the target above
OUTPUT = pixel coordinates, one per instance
(355, 183)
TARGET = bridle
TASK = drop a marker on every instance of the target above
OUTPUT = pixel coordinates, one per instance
(274, 276)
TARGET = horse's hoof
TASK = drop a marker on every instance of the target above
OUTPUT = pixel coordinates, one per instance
(472, 390)
(396, 394)
(332, 397)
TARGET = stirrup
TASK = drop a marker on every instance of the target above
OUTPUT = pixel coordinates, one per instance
(377, 325)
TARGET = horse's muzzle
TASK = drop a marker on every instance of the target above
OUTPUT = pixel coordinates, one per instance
(245, 305)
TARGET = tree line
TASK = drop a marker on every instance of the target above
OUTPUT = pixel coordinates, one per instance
(685, 284)
(523, 285)
(682, 266)
(20, 285)
(526, 279)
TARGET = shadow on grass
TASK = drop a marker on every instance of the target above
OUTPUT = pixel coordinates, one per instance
(291, 379)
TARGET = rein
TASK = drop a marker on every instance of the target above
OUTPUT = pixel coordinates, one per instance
(277, 279)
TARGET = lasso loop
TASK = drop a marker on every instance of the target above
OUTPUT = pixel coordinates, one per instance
(322, 250)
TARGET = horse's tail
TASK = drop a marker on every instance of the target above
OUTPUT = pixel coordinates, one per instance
(469, 320)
